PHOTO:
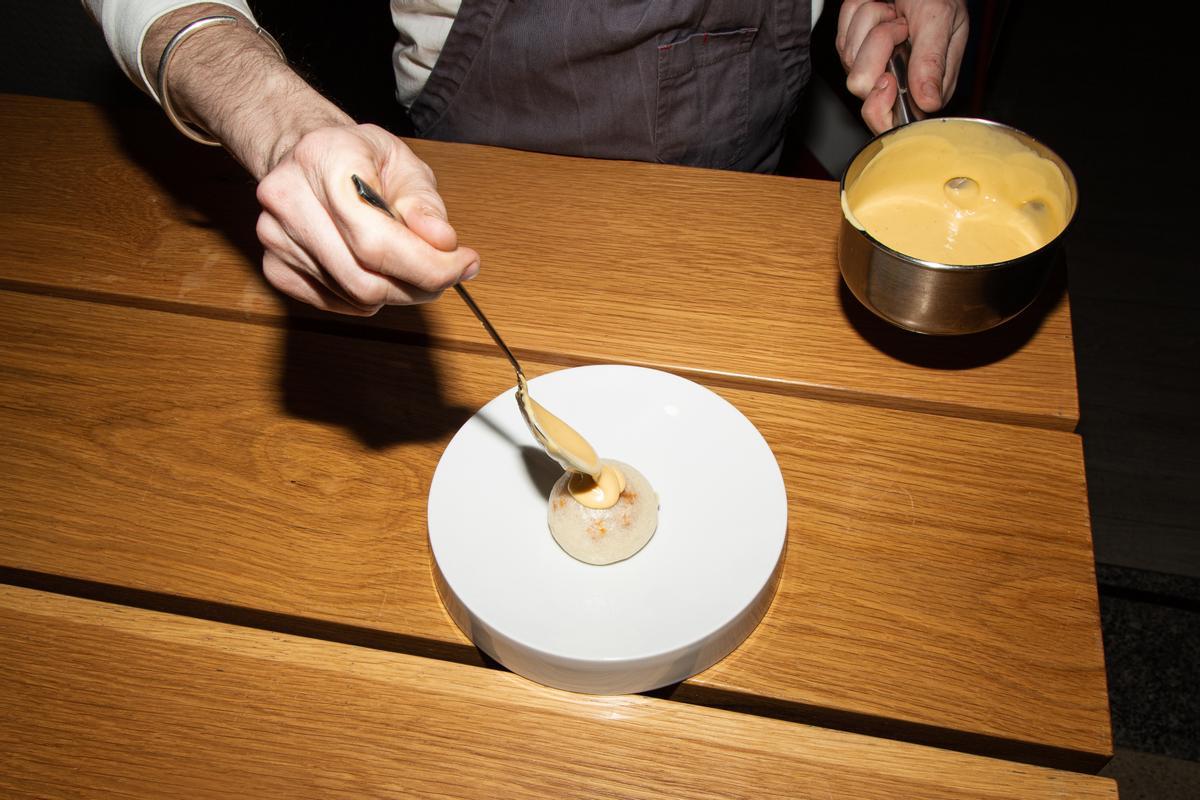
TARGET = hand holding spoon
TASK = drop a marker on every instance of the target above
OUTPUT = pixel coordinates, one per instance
(560, 441)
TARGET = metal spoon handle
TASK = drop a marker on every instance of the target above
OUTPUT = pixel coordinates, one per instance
(904, 111)
(372, 197)
(487, 326)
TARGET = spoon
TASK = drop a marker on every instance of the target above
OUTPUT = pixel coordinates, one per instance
(558, 439)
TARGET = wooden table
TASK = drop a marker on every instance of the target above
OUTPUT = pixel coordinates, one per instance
(212, 509)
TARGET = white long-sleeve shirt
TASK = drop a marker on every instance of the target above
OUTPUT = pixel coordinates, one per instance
(422, 25)
(125, 23)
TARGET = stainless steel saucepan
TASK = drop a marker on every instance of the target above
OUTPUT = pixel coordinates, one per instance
(931, 297)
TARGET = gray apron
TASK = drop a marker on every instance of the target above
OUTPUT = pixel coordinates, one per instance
(702, 82)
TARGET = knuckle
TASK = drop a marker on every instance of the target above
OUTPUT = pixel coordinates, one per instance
(427, 174)
(880, 36)
(858, 85)
(306, 149)
(271, 191)
(365, 291)
(381, 140)
(419, 177)
(412, 164)
(275, 271)
(873, 119)
(367, 245)
(933, 62)
(423, 199)
(375, 132)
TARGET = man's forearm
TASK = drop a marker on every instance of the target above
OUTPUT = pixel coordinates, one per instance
(230, 81)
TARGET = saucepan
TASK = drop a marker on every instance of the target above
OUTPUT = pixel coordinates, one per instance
(930, 297)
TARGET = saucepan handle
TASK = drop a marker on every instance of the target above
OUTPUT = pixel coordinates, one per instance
(905, 110)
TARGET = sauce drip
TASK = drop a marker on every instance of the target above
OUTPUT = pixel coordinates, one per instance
(601, 492)
(561, 440)
(596, 484)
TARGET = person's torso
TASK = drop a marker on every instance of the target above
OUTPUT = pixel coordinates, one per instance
(707, 83)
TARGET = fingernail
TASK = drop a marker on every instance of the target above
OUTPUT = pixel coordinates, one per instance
(882, 83)
(430, 211)
(931, 91)
(470, 272)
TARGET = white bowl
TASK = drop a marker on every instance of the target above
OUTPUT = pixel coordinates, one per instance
(681, 604)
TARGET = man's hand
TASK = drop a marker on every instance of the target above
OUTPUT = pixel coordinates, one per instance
(327, 247)
(323, 244)
(869, 31)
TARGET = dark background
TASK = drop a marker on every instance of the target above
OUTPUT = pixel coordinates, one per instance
(1104, 85)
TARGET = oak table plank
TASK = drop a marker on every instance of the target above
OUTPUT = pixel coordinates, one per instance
(712, 274)
(102, 699)
(938, 583)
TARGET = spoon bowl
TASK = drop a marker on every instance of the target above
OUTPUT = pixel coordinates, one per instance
(563, 444)
(566, 459)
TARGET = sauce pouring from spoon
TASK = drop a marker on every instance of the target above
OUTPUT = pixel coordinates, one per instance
(593, 482)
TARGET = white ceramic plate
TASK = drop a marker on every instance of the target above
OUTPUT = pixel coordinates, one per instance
(685, 601)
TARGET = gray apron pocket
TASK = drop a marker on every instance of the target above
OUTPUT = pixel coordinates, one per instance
(703, 98)
(467, 36)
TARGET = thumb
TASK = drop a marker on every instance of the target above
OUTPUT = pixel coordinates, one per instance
(425, 215)
(925, 85)
(927, 63)
(411, 187)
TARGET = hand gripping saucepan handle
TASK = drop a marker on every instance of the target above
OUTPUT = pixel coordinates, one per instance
(905, 110)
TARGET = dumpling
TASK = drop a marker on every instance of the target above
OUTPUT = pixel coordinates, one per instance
(604, 535)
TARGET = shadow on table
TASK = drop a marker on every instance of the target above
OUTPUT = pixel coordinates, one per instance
(209, 188)
(956, 352)
(373, 377)
(227, 613)
(882, 727)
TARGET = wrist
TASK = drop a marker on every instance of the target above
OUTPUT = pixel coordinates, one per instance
(231, 81)
(260, 117)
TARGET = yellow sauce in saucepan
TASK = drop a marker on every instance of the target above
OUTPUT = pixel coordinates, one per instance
(959, 192)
